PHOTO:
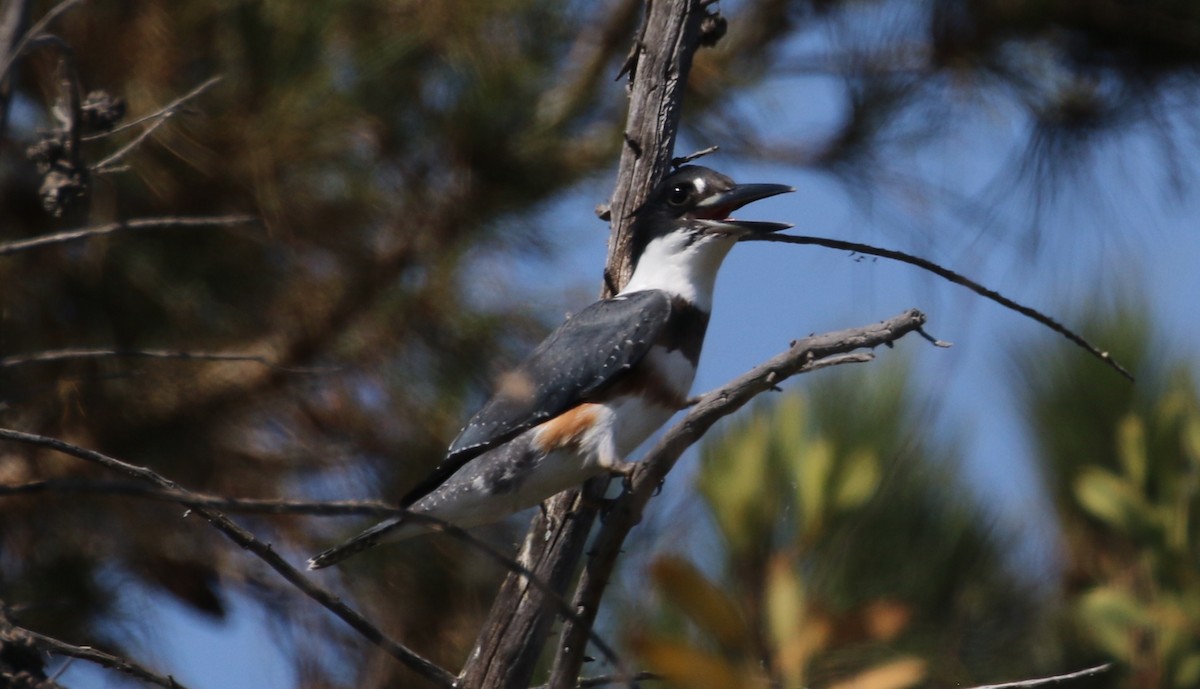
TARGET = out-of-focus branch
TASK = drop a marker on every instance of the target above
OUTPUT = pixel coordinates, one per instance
(1048, 681)
(164, 112)
(243, 538)
(13, 18)
(301, 507)
(957, 279)
(592, 51)
(166, 223)
(34, 32)
(46, 644)
(156, 119)
(802, 356)
(58, 355)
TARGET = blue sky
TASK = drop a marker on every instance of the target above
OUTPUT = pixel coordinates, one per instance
(1120, 235)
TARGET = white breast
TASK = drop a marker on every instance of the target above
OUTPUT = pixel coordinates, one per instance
(628, 420)
(681, 267)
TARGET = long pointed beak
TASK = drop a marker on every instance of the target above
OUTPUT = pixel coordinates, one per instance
(713, 212)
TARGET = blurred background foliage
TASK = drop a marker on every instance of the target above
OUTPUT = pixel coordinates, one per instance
(400, 155)
(849, 546)
(853, 553)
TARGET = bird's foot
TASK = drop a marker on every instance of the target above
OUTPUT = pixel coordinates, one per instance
(625, 470)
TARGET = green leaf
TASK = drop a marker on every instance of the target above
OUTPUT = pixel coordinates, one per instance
(1112, 617)
(859, 479)
(814, 469)
(1112, 500)
(1187, 672)
(1131, 449)
(735, 469)
(1191, 439)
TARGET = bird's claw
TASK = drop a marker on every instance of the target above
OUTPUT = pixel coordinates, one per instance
(625, 470)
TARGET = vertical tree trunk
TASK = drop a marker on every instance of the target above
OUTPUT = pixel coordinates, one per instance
(515, 632)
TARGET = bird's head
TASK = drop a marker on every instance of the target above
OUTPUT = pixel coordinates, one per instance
(684, 230)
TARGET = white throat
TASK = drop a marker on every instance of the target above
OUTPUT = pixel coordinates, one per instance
(689, 270)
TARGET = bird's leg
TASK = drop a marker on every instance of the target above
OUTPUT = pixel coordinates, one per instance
(622, 468)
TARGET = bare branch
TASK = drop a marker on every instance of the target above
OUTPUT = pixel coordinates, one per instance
(1045, 681)
(311, 508)
(57, 355)
(804, 355)
(303, 507)
(264, 551)
(684, 160)
(670, 37)
(658, 66)
(165, 223)
(957, 279)
(157, 120)
(325, 508)
(165, 111)
(51, 645)
(34, 32)
(514, 634)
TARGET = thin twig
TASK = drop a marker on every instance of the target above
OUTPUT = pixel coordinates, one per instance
(933, 340)
(801, 357)
(107, 166)
(838, 360)
(57, 355)
(246, 540)
(1044, 681)
(159, 118)
(57, 647)
(958, 280)
(323, 508)
(61, 670)
(161, 112)
(684, 160)
(165, 223)
(328, 508)
(33, 33)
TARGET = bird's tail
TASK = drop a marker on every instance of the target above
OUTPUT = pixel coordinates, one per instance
(391, 529)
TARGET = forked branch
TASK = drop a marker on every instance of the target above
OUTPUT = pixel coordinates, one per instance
(803, 355)
(246, 540)
(10, 632)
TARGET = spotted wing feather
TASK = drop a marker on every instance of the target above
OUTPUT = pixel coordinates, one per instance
(575, 362)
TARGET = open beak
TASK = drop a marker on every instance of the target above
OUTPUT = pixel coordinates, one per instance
(713, 212)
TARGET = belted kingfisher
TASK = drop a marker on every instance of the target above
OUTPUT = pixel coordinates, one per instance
(601, 383)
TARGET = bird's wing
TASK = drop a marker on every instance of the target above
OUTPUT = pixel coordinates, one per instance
(579, 358)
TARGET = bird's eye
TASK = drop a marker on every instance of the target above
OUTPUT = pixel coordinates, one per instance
(679, 195)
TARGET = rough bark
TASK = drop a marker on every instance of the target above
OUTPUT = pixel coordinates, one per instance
(515, 632)
(810, 353)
